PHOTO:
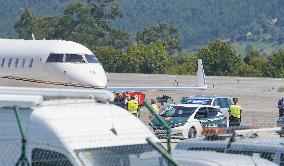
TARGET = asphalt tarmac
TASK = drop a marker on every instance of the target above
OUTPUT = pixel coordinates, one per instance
(258, 97)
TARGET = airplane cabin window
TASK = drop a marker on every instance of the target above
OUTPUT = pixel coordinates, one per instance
(74, 58)
(9, 62)
(31, 63)
(91, 59)
(3, 62)
(55, 58)
(23, 63)
(16, 62)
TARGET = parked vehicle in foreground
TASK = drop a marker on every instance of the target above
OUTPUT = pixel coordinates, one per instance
(205, 158)
(268, 148)
(73, 133)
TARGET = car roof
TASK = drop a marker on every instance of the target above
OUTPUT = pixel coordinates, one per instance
(209, 158)
(238, 145)
(191, 105)
(206, 97)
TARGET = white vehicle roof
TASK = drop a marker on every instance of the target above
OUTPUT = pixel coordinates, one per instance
(208, 158)
(76, 125)
(191, 105)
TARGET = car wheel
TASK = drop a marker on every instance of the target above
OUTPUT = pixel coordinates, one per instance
(192, 133)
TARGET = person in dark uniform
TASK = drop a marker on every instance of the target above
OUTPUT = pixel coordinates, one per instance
(281, 107)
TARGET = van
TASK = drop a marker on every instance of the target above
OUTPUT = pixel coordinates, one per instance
(65, 132)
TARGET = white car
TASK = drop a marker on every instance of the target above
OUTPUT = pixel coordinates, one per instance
(187, 120)
(223, 102)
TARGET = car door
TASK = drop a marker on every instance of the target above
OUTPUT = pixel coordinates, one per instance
(216, 118)
(201, 115)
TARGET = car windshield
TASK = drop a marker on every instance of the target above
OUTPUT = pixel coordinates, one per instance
(127, 155)
(91, 59)
(178, 111)
(74, 58)
(199, 101)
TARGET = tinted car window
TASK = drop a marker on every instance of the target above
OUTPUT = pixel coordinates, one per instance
(216, 102)
(212, 112)
(42, 157)
(201, 113)
(224, 103)
(178, 111)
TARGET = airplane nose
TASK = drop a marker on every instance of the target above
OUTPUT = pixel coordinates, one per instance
(98, 76)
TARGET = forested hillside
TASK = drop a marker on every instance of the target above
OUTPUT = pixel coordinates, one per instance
(197, 21)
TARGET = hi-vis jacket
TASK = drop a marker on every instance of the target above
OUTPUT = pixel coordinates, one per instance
(235, 111)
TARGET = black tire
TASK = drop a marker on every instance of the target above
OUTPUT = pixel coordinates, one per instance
(192, 133)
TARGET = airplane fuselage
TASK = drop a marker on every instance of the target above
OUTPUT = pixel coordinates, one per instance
(51, 60)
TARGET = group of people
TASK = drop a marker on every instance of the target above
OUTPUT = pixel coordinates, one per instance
(128, 102)
(131, 104)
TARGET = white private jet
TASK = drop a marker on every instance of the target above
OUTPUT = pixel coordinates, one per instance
(63, 63)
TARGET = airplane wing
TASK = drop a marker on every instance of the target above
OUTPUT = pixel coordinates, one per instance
(201, 84)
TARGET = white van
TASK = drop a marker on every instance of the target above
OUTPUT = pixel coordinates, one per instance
(73, 132)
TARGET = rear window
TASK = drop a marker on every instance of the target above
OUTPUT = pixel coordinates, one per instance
(74, 58)
(55, 58)
(178, 111)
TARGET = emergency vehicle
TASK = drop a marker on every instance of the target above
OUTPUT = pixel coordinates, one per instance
(187, 120)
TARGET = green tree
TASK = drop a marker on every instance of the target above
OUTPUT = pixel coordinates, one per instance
(148, 58)
(162, 33)
(46, 27)
(184, 64)
(104, 12)
(113, 60)
(220, 58)
(119, 38)
(256, 63)
(275, 67)
(26, 24)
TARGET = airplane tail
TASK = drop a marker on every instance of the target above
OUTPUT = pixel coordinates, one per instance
(201, 80)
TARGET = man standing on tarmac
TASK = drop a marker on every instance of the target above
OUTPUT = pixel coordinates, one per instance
(155, 107)
(281, 107)
(133, 106)
(235, 114)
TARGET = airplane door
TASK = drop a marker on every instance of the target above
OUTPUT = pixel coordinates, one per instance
(67, 77)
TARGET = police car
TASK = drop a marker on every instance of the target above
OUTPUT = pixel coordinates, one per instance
(223, 102)
(187, 120)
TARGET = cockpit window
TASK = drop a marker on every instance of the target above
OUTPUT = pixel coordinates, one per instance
(55, 58)
(91, 59)
(74, 58)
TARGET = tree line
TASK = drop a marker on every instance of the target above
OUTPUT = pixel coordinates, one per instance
(155, 49)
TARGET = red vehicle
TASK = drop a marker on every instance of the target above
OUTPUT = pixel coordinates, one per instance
(140, 96)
